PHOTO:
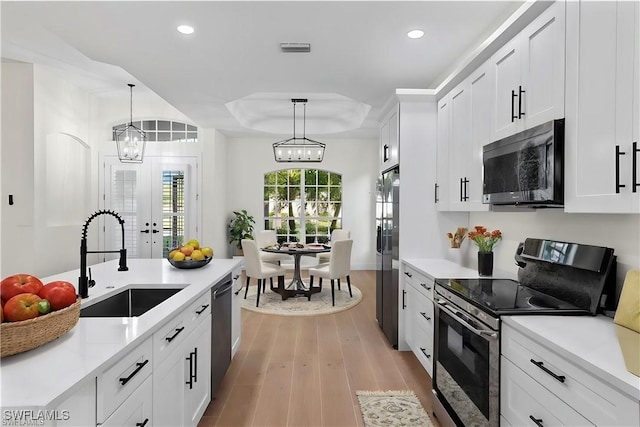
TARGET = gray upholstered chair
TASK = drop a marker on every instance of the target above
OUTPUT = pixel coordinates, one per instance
(259, 270)
(339, 266)
(337, 234)
(266, 238)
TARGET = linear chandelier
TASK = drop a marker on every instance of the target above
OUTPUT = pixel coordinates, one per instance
(130, 140)
(299, 149)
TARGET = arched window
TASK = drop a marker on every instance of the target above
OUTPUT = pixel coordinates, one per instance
(163, 130)
(302, 205)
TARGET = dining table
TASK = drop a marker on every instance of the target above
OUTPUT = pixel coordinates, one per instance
(297, 285)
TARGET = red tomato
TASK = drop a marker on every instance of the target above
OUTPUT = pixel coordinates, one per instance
(19, 284)
(22, 307)
(60, 294)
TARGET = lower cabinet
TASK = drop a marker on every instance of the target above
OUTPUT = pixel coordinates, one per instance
(236, 318)
(541, 387)
(135, 410)
(197, 382)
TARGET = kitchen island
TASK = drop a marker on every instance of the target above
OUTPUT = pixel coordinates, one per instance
(46, 376)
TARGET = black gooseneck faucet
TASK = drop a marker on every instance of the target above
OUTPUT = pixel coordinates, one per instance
(84, 283)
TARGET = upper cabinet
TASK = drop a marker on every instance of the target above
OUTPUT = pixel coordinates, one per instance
(529, 75)
(442, 155)
(389, 141)
(601, 135)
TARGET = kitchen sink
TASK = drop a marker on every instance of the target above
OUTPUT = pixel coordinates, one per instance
(128, 303)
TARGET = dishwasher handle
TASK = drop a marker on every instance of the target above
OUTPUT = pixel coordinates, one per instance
(222, 290)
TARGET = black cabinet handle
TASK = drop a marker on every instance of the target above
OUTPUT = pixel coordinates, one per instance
(236, 277)
(204, 307)
(513, 106)
(465, 181)
(435, 193)
(408, 274)
(195, 365)
(634, 167)
(540, 365)
(425, 316)
(520, 93)
(172, 337)
(142, 424)
(424, 351)
(537, 421)
(385, 152)
(154, 231)
(403, 295)
(424, 285)
(139, 366)
(190, 380)
(461, 197)
(618, 154)
(144, 231)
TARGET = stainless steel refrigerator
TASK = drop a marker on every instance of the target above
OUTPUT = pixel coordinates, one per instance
(387, 253)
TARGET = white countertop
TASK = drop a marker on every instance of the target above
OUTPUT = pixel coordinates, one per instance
(43, 376)
(438, 268)
(589, 342)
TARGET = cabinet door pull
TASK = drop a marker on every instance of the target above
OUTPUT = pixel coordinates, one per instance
(435, 193)
(204, 307)
(425, 316)
(403, 300)
(634, 167)
(424, 285)
(189, 382)
(618, 154)
(139, 366)
(537, 421)
(520, 93)
(195, 365)
(172, 337)
(540, 365)
(424, 351)
(513, 106)
(385, 152)
(142, 424)
(408, 274)
(465, 181)
(461, 184)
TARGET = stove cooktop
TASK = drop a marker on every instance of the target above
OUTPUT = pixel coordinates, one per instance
(505, 296)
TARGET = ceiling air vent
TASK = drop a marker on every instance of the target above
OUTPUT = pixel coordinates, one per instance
(295, 47)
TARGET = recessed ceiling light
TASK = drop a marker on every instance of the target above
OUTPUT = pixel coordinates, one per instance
(185, 29)
(415, 34)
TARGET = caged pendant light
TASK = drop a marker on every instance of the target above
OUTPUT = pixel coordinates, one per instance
(298, 149)
(130, 140)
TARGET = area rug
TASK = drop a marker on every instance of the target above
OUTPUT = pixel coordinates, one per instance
(392, 408)
(272, 303)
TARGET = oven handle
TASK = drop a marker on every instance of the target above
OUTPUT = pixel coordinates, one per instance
(463, 320)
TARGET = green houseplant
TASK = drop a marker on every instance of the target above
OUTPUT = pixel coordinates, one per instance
(240, 227)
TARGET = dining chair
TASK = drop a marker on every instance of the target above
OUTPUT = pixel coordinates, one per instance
(339, 266)
(266, 238)
(259, 270)
(337, 234)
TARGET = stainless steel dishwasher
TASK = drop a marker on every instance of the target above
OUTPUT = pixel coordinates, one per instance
(220, 331)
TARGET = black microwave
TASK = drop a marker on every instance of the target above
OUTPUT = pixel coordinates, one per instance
(526, 168)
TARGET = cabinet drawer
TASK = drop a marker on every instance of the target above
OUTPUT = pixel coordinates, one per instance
(594, 399)
(118, 382)
(170, 337)
(198, 310)
(522, 399)
(423, 314)
(136, 410)
(421, 282)
(422, 346)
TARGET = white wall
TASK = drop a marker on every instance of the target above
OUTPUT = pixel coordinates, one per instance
(355, 160)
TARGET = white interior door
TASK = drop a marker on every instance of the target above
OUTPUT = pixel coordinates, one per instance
(157, 200)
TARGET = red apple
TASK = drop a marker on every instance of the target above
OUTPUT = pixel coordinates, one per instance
(19, 284)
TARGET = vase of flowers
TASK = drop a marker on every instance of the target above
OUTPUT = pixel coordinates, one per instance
(486, 241)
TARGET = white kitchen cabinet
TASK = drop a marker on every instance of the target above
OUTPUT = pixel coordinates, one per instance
(236, 311)
(389, 140)
(182, 374)
(469, 131)
(117, 383)
(442, 154)
(135, 411)
(418, 313)
(602, 122)
(538, 381)
(78, 409)
(529, 75)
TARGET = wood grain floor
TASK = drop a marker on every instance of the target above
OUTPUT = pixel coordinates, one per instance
(304, 371)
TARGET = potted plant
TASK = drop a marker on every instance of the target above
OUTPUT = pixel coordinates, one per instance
(240, 227)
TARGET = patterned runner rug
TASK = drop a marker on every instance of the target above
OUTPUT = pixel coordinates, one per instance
(272, 303)
(392, 408)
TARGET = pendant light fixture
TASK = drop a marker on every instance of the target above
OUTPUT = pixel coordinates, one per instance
(299, 149)
(131, 140)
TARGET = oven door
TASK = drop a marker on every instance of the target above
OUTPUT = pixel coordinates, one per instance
(466, 371)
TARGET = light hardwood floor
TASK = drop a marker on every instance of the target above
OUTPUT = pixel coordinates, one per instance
(304, 371)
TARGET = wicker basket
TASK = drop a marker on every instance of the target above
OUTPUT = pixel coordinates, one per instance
(17, 337)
